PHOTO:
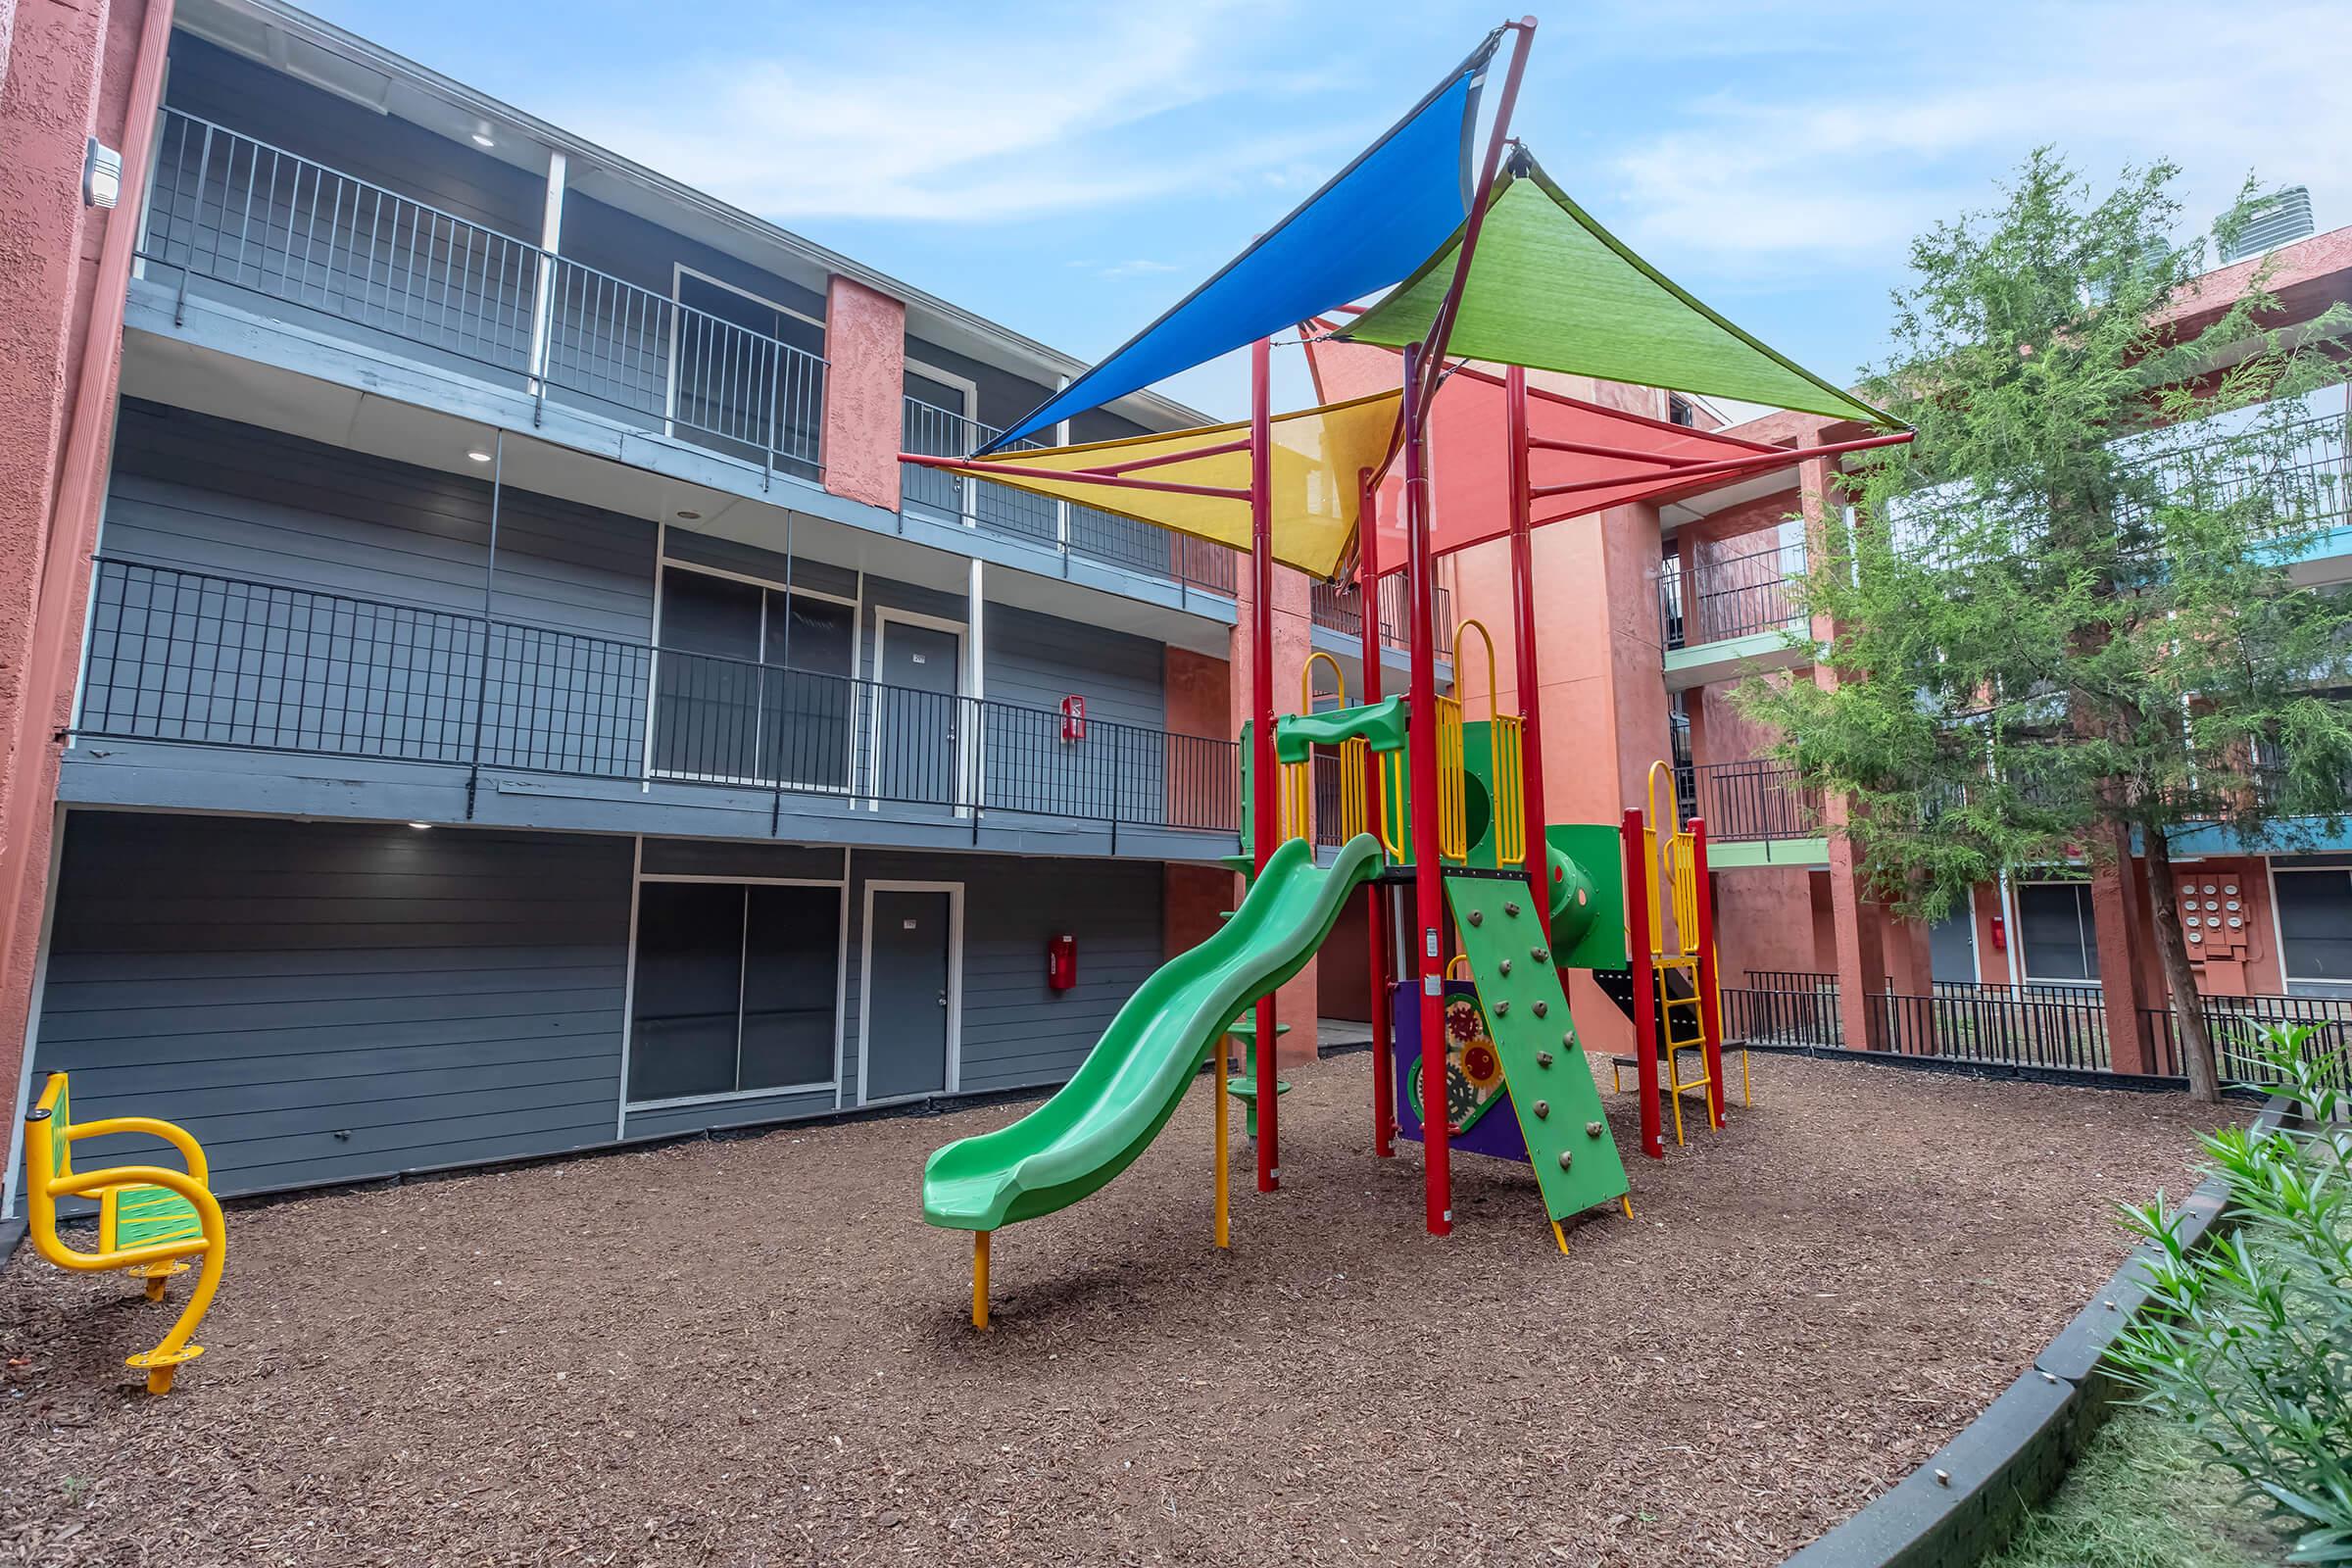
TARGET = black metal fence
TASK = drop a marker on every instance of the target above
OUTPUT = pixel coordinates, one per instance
(193, 657)
(1728, 595)
(1749, 800)
(1794, 1014)
(2232, 1022)
(239, 211)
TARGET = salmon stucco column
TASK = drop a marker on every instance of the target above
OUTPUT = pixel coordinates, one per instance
(1200, 703)
(865, 391)
(2126, 941)
(74, 72)
(1296, 1002)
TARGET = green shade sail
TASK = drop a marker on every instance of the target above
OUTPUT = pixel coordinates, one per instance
(1551, 289)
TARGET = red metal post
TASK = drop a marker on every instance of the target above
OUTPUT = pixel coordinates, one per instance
(1376, 908)
(1645, 980)
(1421, 746)
(1266, 823)
(1523, 635)
(1710, 996)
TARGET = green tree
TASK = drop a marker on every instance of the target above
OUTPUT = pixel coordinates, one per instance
(2064, 624)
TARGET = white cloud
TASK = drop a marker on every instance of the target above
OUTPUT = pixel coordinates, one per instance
(963, 117)
(1843, 166)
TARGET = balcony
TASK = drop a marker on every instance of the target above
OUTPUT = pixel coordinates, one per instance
(205, 661)
(1732, 609)
(1757, 813)
(1063, 526)
(239, 211)
(1339, 607)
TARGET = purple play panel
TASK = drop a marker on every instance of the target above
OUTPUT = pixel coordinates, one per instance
(1497, 1130)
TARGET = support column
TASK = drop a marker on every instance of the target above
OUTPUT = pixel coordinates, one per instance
(1429, 898)
(865, 392)
(1266, 821)
(551, 245)
(74, 72)
(1376, 894)
(2126, 948)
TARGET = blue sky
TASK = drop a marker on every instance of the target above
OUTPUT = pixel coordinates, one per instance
(1072, 168)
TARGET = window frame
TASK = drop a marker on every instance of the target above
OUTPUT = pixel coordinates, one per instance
(841, 957)
(663, 563)
(2086, 925)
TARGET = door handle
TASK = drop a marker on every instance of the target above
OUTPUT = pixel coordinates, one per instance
(943, 999)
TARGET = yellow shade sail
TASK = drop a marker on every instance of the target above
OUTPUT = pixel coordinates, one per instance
(1318, 457)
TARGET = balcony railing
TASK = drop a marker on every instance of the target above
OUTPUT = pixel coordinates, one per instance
(191, 658)
(242, 212)
(1339, 607)
(1727, 596)
(1756, 799)
(1061, 525)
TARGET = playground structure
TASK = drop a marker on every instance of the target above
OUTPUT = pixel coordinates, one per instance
(1441, 812)
(151, 1219)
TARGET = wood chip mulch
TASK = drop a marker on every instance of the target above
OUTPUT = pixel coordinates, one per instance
(753, 1352)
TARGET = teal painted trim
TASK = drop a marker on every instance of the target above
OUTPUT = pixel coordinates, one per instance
(1748, 853)
(1755, 646)
(2333, 542)
(2297, 835)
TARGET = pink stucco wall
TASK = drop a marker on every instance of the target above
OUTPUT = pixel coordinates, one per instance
(74, 72)
(865, 384)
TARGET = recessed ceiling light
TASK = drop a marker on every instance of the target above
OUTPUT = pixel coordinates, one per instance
(684, 516)
(420, 826)
(482, 138)
(478, 454)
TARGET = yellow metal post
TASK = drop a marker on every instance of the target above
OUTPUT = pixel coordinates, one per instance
(980, 1279)
(1223, 1117)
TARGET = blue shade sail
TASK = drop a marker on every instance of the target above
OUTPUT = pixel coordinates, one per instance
(1375, 222)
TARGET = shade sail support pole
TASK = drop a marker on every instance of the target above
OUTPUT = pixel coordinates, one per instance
(1433, 352)
(1264, 818)
(1523, 636)
(1421, 747)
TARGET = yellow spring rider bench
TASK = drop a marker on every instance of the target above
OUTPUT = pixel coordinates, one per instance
(150, 1219)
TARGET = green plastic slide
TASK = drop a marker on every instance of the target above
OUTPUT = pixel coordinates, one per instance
(1129, 1085)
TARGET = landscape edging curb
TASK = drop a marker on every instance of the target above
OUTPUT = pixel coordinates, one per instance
(1968, 1496)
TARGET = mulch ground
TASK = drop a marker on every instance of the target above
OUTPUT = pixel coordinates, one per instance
(753, 1352)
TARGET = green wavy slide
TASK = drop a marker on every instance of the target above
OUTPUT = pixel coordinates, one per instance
(1129, 1085)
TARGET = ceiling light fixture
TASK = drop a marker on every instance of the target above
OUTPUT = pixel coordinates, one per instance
(478, 454)
(420, 826)
(684, 516)
(482, 138)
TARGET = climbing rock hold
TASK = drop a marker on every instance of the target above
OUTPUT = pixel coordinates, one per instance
(1542, 1058)
(1542, 1108)
(1592, 1129)
(1566, 1160)
(1511, 907)
(1568, 1040)
(1478, 917)
(1501, 1007)
(1540, 954)
(1540, 1007)
(1505, 966)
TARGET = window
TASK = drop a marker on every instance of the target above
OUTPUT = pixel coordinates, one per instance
(735, 988)
(755, 683)
(1679, 410)
(2315, 922)
(2056, 932)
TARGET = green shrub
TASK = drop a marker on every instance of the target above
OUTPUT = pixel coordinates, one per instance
(2248, 1342)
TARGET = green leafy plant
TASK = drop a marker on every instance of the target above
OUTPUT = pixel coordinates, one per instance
(2248, 1342)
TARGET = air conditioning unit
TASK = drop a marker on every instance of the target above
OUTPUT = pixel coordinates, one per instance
(2279, 219)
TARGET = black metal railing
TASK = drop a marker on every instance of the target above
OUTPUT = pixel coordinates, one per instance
(1783, 1010)
(194, 658)
(1339, 607)
(1728, 595)
(1757, 800)
(1083, 532)
(2232, 1022)
(2055, 1027)
(237, 211)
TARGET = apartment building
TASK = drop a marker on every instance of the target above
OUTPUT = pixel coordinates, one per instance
(1675, 606)
(520, 704)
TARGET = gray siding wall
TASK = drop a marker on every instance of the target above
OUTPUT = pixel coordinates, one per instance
(210, 495)
(1017, 1032)
(749, 561)
(212, 83)
(321, 1003)
(1001, 397)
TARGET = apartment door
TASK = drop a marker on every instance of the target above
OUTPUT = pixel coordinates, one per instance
(917, 719)
(1952, 944)
(911, 981)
